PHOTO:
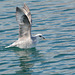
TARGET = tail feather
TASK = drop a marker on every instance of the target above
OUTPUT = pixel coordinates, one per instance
(8, 46)
(12, 45)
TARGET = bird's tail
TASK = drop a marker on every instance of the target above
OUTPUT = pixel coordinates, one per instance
(12, 45)
(8, 46)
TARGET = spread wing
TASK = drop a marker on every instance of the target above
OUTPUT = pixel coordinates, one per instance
(23, 17)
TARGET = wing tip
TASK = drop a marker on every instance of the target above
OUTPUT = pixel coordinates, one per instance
(25, 5)
(17, 8)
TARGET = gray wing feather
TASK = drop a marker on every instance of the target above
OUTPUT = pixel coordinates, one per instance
(27, 12)
(24, 19)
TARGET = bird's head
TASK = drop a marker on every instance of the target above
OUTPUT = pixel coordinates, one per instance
(40, 37)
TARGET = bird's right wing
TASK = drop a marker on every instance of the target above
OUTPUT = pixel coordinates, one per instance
(23, 17)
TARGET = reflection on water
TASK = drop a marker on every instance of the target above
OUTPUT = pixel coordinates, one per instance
(27, 59)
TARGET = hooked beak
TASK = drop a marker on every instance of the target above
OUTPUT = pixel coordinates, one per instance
(43, 38)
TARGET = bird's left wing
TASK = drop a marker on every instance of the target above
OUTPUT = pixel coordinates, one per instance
(23, 17)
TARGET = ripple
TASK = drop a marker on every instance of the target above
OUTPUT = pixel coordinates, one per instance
(2, 0)
(62, 55)
(54, 56)
(7, 17)
(8, 30)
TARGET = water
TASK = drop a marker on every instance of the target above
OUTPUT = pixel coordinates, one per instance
(55, 19)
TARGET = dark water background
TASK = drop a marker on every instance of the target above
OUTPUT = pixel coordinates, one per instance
(55, 19)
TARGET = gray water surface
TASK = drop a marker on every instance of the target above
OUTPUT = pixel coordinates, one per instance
(55, 19)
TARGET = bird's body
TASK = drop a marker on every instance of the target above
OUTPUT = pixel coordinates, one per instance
(24, 43)
(25, 39)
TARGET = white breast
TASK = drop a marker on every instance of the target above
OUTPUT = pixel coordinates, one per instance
(25, 43)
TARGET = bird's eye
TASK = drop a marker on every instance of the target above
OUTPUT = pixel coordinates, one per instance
(40, 36)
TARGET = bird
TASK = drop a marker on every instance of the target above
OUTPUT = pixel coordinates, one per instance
(25, 40)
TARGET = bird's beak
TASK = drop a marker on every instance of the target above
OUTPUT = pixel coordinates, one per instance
(44, 38)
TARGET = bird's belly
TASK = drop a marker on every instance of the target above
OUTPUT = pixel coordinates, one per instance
(28, 44)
